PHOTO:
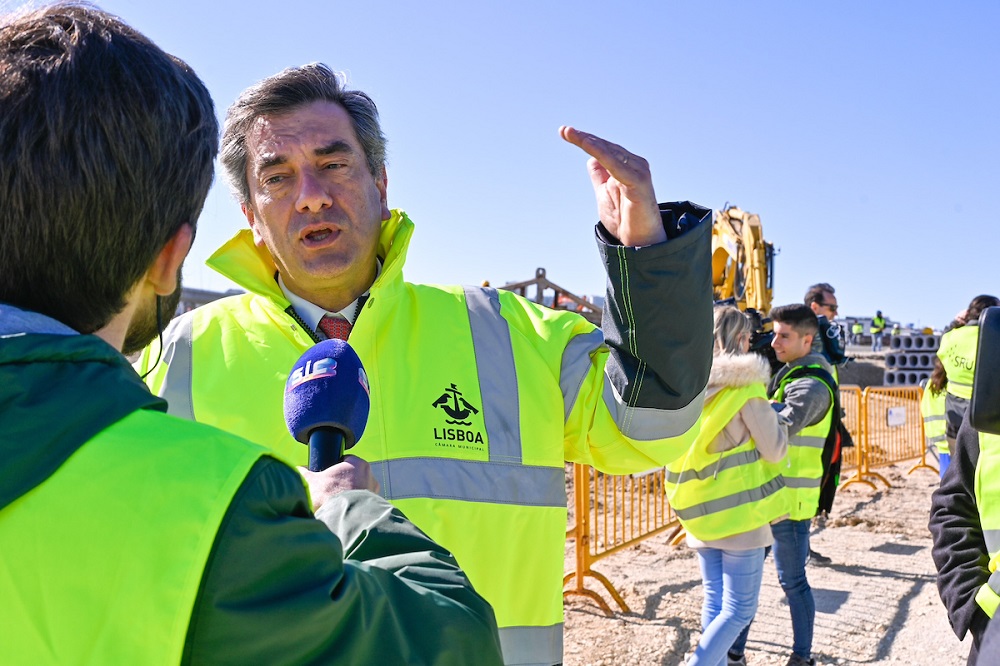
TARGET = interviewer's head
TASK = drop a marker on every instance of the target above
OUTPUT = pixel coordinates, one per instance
(106, 151)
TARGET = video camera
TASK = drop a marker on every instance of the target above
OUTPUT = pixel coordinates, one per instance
(760, 338)
(761, 335)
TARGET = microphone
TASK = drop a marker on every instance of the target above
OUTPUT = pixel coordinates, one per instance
(327, 401)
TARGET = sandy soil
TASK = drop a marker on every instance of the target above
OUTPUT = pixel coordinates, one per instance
(876, 602)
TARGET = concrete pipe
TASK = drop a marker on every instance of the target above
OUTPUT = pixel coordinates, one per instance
(892, 360)
(932, 342)
(895, 342)
(907, 341)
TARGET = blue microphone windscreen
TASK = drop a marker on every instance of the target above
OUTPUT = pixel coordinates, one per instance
(327, 388)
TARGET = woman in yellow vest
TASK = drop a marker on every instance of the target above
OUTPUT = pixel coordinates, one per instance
(932, 410)
(728, 487)
(959, 345)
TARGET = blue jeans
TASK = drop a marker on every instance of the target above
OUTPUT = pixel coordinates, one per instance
(790, 551)
(876, 342)
(944, 459)
(731, 580)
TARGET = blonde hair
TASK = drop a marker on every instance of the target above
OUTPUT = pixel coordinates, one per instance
(731, 325)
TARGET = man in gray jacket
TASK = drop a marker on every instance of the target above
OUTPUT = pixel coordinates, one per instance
(805, 403)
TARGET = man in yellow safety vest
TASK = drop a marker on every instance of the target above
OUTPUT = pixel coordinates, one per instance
(479, 396)
(803, 390)
(130, 536)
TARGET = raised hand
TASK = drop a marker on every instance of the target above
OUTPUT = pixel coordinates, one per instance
(623, 185)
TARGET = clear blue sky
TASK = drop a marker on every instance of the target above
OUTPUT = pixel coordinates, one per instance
(865, 134)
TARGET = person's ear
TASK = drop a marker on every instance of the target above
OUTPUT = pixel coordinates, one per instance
(162, 275)
(382, 183)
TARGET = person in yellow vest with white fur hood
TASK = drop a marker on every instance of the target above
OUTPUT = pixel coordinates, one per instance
(728, 488)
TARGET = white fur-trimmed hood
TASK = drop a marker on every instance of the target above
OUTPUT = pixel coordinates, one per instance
(735, 370)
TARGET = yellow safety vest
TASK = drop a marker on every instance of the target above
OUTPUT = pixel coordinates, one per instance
(804, 473)
(935, 424)
(958, 356)
(878, 324)
(127, 597)
(988, 502)
(464, 434)
(717, 495)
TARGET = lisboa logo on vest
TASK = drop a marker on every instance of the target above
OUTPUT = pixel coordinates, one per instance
(458, 411)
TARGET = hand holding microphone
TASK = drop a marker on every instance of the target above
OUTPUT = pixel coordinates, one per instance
(326, 407)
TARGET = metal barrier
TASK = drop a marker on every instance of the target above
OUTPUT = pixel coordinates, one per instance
(892, 432)
(612, 513)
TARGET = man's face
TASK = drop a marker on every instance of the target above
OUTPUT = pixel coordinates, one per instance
(313, 202)
(789, 345)
(142, 329)
(827, 308)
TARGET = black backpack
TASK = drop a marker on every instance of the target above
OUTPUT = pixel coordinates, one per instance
(838, 437)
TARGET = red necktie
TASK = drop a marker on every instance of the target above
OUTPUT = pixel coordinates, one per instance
(335, 328)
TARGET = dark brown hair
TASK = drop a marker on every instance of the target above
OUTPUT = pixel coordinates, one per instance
(283, 93)
(106, 149)
(799, 316)
(815, 293)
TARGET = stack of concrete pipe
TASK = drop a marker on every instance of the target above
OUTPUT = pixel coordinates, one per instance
(910, 359)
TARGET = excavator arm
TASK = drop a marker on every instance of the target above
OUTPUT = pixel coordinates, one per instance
(742, 261)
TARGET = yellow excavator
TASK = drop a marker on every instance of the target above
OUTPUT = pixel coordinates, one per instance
(742, 261)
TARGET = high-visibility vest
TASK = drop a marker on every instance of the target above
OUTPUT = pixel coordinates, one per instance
(804, 473)
(935, 423)
(717, 495)
(858, 328)
(987, 492)
(878, 324)
(467, 389)
(127, 597)
(958, 356)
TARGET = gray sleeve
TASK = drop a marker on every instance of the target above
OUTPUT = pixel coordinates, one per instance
(278, 587)
(658, 312)
(805, 403)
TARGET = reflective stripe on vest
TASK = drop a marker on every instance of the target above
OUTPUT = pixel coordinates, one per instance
(532, 645)
(645, 423)
(987, 493)
(176, 384)
(804, 473)
(718, 495)
(128, 597)
(958, 356)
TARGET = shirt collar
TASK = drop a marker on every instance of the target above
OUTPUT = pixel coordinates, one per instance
(310, 313)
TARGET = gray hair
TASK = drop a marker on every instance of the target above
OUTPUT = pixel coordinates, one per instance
(730, 325)
(283, 93)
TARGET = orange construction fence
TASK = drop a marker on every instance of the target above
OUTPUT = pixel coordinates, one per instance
(887, 428)
(610, 512)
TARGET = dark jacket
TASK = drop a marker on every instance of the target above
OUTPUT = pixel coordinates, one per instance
(959, 549)
(362, 586)
(829, 341)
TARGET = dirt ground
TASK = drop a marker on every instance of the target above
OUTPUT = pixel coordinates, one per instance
(876, 603)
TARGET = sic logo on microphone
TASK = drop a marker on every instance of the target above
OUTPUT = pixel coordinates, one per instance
(318, 369)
